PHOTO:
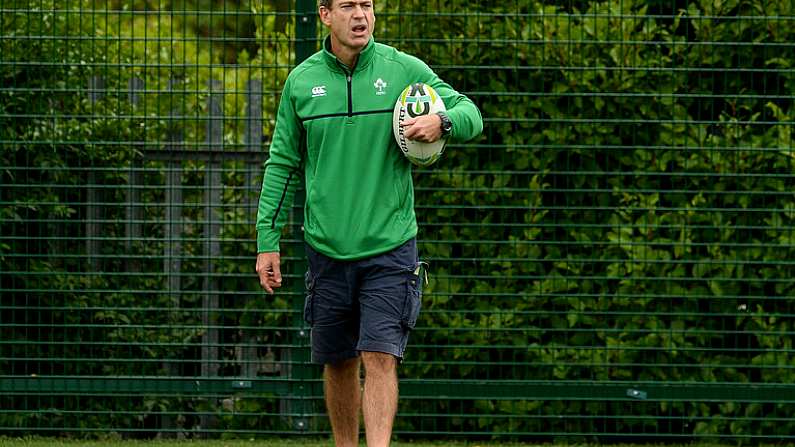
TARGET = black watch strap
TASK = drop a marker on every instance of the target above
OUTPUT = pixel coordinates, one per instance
(447, 125)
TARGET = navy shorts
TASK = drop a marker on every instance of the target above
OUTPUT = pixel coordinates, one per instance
(368, 305)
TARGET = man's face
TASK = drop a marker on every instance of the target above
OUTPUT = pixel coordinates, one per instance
(350, 21)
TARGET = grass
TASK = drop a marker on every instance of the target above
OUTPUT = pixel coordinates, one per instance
(291, 442)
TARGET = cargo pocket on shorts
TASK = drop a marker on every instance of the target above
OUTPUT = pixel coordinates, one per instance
(309, 283)
(411, 308)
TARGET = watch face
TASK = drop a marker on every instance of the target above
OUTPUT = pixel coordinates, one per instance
(446, 124)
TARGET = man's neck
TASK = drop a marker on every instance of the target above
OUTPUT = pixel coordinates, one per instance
(345, 55)
(349, 60)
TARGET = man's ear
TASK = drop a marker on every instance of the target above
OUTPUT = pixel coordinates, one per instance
(324, 12)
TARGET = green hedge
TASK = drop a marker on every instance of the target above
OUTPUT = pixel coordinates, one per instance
(634, 214)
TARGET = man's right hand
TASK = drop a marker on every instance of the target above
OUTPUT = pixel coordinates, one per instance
(269, 270)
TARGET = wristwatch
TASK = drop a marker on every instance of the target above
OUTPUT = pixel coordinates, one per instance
(447, 125)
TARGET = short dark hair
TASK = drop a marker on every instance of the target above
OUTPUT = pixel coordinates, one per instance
(324, 3)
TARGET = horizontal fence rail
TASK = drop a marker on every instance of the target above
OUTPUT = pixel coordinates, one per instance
(612, 260)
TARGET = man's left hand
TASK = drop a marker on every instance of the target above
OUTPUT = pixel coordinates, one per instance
(425, 128)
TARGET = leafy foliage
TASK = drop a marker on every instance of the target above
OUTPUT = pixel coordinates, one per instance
(624, 218)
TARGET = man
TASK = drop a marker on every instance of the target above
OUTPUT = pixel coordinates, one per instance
(334, 126)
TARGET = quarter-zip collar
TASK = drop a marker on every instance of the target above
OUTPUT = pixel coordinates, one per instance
(365, 57)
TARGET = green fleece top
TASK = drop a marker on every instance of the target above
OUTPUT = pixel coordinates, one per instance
(334, 128)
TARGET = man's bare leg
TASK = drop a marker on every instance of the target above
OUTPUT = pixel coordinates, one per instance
(343, 401)
(380, 397)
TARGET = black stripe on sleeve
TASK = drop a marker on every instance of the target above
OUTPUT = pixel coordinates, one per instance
(281, 201)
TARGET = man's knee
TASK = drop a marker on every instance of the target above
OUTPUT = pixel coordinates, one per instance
(378, 363)
(343, 369)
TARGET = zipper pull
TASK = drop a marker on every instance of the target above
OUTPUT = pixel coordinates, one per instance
(349, 78)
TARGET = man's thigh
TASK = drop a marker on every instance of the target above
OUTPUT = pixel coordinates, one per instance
(330, 309)
(389, 300)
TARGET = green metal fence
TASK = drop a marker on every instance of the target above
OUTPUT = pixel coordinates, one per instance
(612, 260)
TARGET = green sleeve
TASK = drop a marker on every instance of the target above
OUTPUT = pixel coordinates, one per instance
(282, 175)
(463, 113)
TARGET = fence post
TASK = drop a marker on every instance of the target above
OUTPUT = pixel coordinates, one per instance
(253, 131)
(57, 227)
(96, 90)
(173, 229)
(298, 358)
(134, 211)
(212, 246)
(172, 261)
(92, 220)
(252, 143)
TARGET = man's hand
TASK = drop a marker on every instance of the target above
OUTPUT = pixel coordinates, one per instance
(425, 128)
(269, 270)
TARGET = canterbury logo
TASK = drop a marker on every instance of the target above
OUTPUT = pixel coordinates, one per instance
(320, 90)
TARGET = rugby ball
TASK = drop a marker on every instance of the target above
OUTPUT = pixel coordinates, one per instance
(416, 100)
